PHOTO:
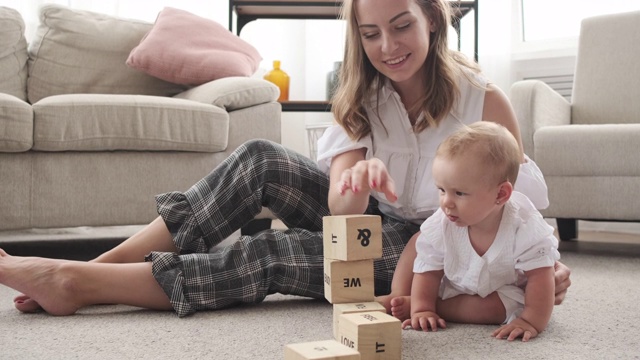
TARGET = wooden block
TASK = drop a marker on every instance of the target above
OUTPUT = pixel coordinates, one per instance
(352, 308)
(352, 237)
(320, 350)
(374, 334)
(348, 281)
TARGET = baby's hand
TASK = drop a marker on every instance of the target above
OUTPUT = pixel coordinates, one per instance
(515, 329)
(425, 320)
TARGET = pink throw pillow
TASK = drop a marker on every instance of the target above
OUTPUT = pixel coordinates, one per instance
(187, 49)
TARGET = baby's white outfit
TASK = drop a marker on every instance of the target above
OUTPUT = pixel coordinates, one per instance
(524, 241)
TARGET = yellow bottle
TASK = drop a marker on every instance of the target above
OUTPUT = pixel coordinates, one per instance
(280, 78)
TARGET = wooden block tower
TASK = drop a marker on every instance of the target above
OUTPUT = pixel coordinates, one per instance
(351, 243)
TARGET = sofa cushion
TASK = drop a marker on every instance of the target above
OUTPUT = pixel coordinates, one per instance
(16, 124)
(13, 54)
(188, 49)
(97, 122)
(77, 51)
(233, 93)
(588, 150)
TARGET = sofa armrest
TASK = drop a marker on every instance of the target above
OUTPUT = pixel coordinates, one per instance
(233, 93)
(537, 105)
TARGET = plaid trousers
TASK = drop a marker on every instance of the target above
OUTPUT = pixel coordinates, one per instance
(259, 173)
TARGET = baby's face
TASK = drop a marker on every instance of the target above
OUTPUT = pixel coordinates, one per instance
(466, 195)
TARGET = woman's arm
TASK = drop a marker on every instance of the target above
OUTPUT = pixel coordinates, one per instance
(344, 201)
(498, 109)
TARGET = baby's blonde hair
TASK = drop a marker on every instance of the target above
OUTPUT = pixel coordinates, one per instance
(491, 144)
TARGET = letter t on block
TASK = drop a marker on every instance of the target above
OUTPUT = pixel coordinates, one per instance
(352, 237)
(374, 334)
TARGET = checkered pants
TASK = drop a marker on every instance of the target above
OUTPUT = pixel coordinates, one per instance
(259, 173)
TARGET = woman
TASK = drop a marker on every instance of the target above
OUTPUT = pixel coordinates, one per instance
(397, 67)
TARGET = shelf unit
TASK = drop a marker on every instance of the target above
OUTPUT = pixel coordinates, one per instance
(247, 11)
(250, 10)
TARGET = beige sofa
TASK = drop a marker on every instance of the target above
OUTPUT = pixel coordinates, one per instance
(589, 149)
(87, 141)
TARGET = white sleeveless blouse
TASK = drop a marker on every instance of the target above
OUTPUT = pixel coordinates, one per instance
(409, 156)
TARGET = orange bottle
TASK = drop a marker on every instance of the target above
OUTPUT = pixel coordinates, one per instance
(280, 78)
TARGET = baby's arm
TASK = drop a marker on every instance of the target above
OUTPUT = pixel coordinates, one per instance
(424, 295)
(538, 304)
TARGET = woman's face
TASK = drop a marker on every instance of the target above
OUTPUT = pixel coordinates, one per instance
(395, 37)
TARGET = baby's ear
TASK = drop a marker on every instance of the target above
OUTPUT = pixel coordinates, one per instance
(504, 192)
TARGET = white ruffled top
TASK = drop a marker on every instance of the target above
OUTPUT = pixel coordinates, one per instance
(524, 242)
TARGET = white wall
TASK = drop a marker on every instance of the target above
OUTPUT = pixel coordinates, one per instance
(307, 50)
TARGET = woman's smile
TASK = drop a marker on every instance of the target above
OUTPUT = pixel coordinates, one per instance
(396, 61)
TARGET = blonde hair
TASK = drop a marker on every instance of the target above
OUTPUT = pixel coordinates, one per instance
(494, 147)
(359, 79)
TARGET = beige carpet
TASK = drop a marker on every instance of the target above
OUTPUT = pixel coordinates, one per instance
(599, 320)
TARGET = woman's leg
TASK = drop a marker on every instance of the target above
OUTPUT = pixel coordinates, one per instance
(272, 261)
(153, 237)
(62, 287)
(258, 174)
(255, 175)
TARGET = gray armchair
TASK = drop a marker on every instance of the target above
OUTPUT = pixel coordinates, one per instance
(589, 149)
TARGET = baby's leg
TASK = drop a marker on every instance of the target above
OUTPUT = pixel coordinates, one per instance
(398, 302)
(472, 309)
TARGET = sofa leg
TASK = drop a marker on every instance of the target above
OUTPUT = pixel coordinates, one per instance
(567, 228)
(255, 226)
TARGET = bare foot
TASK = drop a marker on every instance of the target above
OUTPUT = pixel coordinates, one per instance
(396, 305)
(385, 300)
(26, 304)
(41, 280)
(401, 307)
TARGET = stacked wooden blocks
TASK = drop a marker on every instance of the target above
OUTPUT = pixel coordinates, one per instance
(351, 243)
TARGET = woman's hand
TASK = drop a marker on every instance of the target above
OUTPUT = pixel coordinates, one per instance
(367, 175)
(562, 280)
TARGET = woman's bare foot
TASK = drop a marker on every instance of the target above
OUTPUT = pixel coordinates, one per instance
(42, 281)
(26, 304)
(398, 306)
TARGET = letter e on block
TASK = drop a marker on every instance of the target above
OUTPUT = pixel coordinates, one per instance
(352, 308)
(352, 237)
(374, 334)
(319, 350)
(348, 281)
